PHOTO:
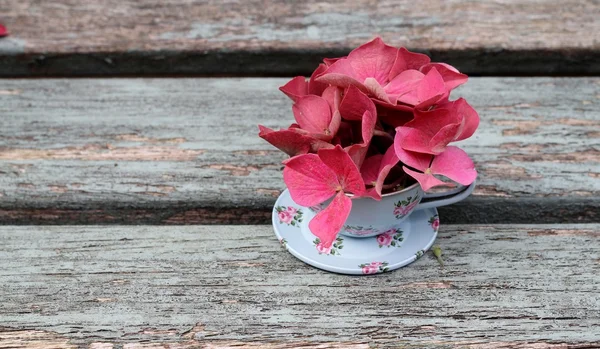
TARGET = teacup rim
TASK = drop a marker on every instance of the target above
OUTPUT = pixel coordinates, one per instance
(388, 194)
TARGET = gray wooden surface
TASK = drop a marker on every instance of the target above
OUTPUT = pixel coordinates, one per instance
(520, 286)
(186, 151)
(70, 37)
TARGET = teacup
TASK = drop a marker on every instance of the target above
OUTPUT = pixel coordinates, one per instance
(370, 217)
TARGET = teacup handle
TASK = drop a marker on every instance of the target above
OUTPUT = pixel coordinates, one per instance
(445, 198)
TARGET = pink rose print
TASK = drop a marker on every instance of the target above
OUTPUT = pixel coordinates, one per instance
(285, 217)
(374, 267)
(370, 269)
(404, 207)
(434, 221)
(289, 215)
(322, 249)
(385, 239)
(391, 237)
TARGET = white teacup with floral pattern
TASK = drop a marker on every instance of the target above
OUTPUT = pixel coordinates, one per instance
(370, 217)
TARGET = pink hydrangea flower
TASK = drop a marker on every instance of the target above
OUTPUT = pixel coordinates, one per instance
(313, 179)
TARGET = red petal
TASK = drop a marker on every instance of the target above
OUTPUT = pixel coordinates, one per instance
(328, 223)
(387, 163)
(373, 60)
(295, 88)
(469, 119)
(345, 169)
(355, 103)
(369, 120)
(431, 89)
(333, 96)
(316, 87)
(403, 87)
(3, 31)
(407, 60)
(455, 164)
(376, 90)
(329, 61)
(313, 114)
(452, 77)
(427, 181)
(309, 180)
(430, 131)
(342, 74)
(288, 141)
(370, 169)
(418, 161)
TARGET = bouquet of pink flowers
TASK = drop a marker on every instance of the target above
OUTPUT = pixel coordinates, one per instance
(372, 122)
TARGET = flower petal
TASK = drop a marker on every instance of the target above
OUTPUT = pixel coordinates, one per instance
(288, 141)
(309, 180)
(333, 96)
(3, 31)
(469, 119)
(355, 103)
(403, 87)
(451, 76)
(329, 61)
(417, 161)
(344, 168)
(455, 164)
(375, 89)
(406, 60)
(342, 74)
(431, 89)
(370, 169)
(317, 87)
(388, 162)
(373, 60)
(427, 181)
(313, 114)
(327, 224)
(430, 131)
(295, 88)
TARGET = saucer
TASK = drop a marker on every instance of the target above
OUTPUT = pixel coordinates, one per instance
(355, 256)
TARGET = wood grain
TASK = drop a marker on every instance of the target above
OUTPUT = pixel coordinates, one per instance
(186, 151)
(518, 286)
(282, 37)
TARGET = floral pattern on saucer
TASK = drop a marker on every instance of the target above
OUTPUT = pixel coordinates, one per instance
(404, 207)
(333, 250)
(390, 238)
(289, 215)
(374, 267)
(353, 255)
(434, 221)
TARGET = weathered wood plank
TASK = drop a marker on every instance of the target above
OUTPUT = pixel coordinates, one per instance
(70, 37)
(518, 286)
(186, 151)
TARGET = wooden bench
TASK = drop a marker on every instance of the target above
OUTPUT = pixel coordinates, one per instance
(135, 210)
